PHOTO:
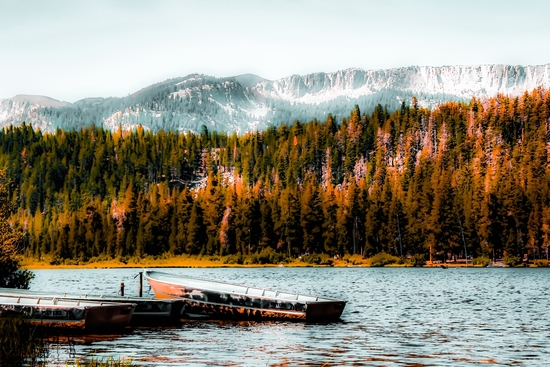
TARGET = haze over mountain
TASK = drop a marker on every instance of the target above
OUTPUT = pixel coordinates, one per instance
(248, 102)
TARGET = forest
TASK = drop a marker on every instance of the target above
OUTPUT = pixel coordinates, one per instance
(460, 178)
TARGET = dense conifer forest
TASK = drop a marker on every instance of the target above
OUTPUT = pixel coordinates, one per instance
(463, 177)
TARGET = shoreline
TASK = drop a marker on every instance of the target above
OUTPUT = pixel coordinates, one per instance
(190, 262)
(173, 262)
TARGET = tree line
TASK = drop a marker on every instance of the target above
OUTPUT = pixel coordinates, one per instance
(461, 178)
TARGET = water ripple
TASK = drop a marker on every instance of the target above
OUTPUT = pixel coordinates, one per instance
(394, 317)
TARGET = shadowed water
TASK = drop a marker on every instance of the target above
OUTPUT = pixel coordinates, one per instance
(394, 317)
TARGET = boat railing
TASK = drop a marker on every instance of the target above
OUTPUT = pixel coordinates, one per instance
(52, 301)
(234, 288)
(287, 296)
(20, 300)
(252, 291)
(303, 298)
(230, 288)
(9, 292)
(26, 301)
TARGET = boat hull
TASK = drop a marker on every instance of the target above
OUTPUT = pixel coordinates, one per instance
(50, 317)
(148, 311)
(239, 305)
(67, 314)
(110, 316)
(155, 312)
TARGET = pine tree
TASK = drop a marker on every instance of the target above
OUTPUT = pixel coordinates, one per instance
(330, 212)
(196, 231)
(311, 217)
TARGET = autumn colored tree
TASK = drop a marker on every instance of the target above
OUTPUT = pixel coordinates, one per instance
(459, 178)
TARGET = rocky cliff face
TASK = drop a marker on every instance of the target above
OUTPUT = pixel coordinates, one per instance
(248, 102)
(461, 81)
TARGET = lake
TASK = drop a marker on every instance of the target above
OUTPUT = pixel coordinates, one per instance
(394, 317)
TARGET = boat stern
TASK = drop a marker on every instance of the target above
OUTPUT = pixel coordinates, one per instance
(109, 316)
(324, 311)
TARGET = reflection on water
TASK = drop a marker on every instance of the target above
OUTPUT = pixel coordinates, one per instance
(394, 317)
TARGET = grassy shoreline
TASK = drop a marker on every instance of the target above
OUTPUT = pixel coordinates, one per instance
(173, 262)
(195, 262)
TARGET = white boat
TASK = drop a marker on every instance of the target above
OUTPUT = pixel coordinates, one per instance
(149, 311)
(224, 300)
(68, 314)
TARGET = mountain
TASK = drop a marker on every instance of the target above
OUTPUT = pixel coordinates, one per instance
(248, 102)
(28, 108)
(40, 100)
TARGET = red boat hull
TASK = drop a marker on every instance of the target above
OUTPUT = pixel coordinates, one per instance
(227, 303)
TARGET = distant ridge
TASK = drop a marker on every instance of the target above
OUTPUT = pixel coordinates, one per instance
(249, 80)
(41, 100)
(248, 102)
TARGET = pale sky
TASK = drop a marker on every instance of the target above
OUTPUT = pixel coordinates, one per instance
(73, 49)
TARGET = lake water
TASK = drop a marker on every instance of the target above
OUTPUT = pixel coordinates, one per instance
(394, 317)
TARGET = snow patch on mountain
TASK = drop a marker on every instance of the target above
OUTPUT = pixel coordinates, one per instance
(20, 108)
(127, 120)
(462, 81)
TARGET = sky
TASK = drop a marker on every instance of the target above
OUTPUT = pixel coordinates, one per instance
(69, 50)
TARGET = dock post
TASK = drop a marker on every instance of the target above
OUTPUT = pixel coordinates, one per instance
(140, 284)
(121, 289)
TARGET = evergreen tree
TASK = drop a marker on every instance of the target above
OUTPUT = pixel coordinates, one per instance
(196, 231)
(10, 240)
(311, 217)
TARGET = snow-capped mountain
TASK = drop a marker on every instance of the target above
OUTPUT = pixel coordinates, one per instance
(248, 102)
(27, 108)
(460, 81)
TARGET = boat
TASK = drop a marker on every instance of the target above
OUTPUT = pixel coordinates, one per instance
(231, 301)
(68, 314)
(148, 312)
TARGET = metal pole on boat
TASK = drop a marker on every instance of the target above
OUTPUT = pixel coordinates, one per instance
(140, 284)
(121, 289)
